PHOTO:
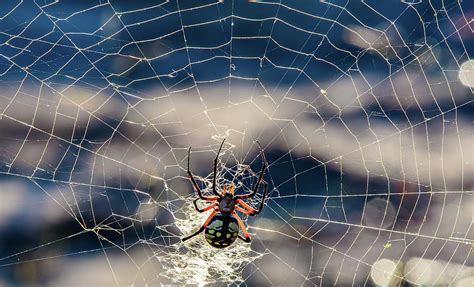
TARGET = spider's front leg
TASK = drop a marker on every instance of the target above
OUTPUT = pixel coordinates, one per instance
(260, 177)
(215, 171)
(196, 186)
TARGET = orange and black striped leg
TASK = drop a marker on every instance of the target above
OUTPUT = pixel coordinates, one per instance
(246, 206)
(251, 209)
(244, 211)
(205, 208)
(246, 237)
(202, 227)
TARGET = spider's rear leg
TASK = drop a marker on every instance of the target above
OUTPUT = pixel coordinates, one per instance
(246, 237)
(202, 227)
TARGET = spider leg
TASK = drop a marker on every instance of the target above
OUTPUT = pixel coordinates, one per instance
(245, 206)
(215, 171)
(193, 181)
(243, 210)
(252, 210)
(205, 208)
(260, 176)
(202, 227)
(246, 237)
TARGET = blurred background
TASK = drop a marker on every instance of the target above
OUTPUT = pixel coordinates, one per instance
(364, 110)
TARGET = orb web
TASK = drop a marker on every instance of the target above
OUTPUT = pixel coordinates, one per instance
(363, 110)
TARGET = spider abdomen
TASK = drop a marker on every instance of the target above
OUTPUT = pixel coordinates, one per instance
(222, 231)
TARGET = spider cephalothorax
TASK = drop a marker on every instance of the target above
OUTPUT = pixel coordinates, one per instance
(222, 226)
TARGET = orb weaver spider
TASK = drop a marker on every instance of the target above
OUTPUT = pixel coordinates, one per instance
(222, 226)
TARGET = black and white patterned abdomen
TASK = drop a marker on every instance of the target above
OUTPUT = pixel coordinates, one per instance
(222, 231)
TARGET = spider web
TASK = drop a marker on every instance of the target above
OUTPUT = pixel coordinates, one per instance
(363, 110)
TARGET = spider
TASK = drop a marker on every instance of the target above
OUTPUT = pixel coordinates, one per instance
(222, 226)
